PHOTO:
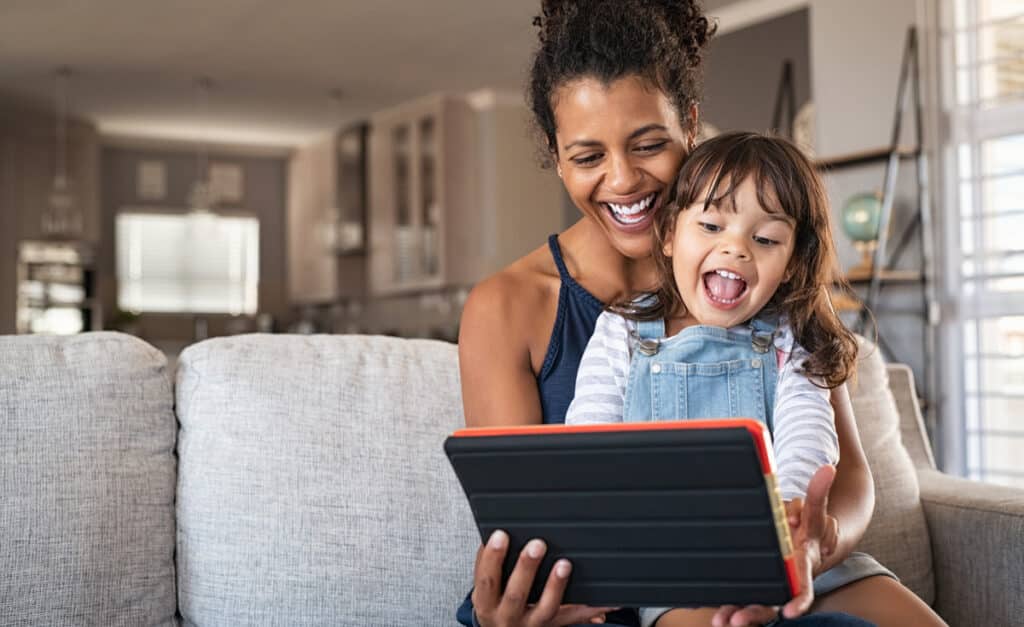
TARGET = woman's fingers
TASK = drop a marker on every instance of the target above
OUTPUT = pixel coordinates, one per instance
(723, 615)
(551, 597)
(752, 615)
(799, 604)
(487, 575)
(517, 589)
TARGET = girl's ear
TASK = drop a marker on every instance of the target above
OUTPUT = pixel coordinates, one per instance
(666, 246)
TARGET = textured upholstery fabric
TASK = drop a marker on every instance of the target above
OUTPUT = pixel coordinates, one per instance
(898, 533)
(87, 479)
(977, 533)
(313, 488)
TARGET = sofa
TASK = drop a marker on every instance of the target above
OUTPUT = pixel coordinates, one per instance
(300, 480)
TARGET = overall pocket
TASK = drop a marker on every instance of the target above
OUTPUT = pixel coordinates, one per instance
(724, 389)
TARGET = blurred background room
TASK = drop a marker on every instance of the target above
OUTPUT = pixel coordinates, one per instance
(185, 170)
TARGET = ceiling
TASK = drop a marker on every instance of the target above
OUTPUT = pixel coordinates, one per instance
(135, 63)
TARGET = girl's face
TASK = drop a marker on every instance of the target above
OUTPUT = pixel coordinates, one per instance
(728, 261)
(619, 150)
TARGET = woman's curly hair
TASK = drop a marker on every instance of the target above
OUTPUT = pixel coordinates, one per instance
(786, 182)
(659, 40)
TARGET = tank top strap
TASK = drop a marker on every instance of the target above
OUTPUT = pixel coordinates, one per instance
(556, 254)
(578, 292)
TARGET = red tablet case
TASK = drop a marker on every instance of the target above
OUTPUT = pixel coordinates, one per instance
(683, 513)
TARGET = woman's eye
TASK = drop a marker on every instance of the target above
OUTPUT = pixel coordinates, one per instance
(587, 159)
(655, 147)
(764, 241)
(710, 227)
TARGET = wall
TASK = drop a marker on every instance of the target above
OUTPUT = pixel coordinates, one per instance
(856, 50)
(743, 69)
(27, 164)
(263, 195)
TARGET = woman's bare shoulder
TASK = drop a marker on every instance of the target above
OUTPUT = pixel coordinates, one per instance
(523, 289)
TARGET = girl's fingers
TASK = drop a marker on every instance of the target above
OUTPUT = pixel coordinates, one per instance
(793, 510)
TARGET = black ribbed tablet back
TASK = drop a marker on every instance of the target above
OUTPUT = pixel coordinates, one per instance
(677, 517)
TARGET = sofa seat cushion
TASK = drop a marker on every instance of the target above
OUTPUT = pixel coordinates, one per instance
(898, 533)
(87, 479)
(313, 488)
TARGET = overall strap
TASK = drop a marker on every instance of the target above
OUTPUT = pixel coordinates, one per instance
(651, 329)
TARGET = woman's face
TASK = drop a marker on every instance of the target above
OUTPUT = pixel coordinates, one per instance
(619, 150)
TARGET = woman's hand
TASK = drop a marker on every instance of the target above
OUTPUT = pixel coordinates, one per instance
(509, 608)
(814, 531)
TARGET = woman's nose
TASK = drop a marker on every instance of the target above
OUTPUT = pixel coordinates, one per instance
(623, 176)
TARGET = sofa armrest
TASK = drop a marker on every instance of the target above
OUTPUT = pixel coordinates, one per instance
(977, 549)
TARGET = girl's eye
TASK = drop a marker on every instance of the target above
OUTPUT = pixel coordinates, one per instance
(764, 241)
(710, 227)
(655, 147)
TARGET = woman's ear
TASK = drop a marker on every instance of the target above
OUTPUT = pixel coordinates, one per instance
(666, 246)
(691, 140)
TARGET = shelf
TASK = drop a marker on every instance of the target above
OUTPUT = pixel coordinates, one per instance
(863, 157)
(886, 276)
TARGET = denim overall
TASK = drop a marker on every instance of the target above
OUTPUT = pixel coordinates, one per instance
(702, 372)
(711, 372)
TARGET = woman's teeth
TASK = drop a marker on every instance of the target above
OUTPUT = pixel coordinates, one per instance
(631, 214)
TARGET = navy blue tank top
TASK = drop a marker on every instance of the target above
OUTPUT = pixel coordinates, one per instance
(578, 310)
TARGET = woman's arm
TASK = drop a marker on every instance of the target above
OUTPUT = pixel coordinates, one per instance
(499, 387)
(852, 498)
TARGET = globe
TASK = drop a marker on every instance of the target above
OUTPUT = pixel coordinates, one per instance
(860, 217)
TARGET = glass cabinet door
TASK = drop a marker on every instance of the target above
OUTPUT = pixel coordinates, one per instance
(430, 211)
(406, 240)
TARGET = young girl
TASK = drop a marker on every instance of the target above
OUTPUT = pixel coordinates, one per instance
(740, 323)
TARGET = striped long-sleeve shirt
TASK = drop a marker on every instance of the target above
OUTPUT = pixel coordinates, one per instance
(804, 435)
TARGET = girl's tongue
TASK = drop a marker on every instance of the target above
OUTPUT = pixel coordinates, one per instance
(723, 288)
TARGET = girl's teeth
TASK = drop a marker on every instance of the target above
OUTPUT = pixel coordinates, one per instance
(728, 275)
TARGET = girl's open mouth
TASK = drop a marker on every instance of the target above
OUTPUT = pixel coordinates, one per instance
(724, 288)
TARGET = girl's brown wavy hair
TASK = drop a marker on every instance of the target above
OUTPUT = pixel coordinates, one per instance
(786, 182)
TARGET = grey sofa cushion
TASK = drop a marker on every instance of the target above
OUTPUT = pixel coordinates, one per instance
(313, 489)
(898, 533)
(87, 478)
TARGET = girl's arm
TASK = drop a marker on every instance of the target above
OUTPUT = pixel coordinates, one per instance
(601, 379)
(804, 432)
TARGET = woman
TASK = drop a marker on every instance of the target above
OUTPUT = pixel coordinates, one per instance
(614, 90)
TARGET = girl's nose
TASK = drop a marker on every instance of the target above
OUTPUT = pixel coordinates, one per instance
(736, 247)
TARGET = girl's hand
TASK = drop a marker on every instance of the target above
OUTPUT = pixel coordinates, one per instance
(814, 530)
(509, 608)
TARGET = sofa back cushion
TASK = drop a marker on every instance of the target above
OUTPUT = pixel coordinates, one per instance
(87, 478)
(898, 533)
(313, 488)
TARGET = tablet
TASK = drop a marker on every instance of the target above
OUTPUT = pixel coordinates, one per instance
(681, 514)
